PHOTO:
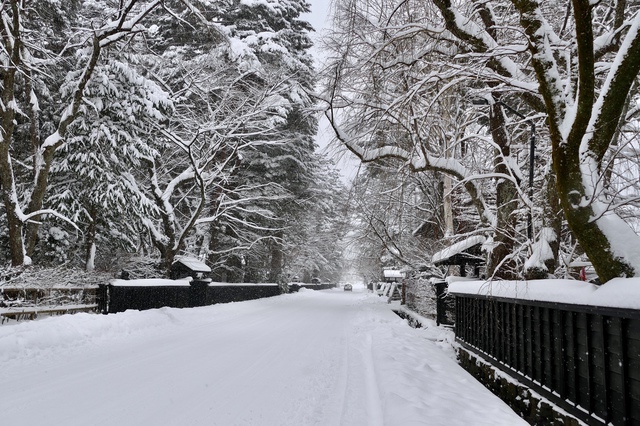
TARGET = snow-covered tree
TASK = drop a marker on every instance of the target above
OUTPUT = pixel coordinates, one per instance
(107, 141)
(151, 125)
(266, 39)
(36, 53)
(398, 217)
(573, 63)
(386, 100)
(242, 68)
(314, 239)
(585, 81)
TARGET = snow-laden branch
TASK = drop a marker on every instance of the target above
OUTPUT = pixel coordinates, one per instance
(603, 123)
(116, 31)
(553, 89)
(480, 41)
(417, 161)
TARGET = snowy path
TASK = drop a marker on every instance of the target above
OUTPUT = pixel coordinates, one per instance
(312, 358)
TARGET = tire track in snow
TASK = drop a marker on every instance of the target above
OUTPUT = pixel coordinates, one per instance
(374, 411)
(344, 379)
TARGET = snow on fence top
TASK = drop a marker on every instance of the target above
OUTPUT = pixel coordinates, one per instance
(159, 282)
(218, 284)
(392, 273)
(151, 282)
(193, 264)
(457, 248)
(617, 293)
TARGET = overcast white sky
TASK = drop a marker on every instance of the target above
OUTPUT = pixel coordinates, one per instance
(319, 19)
(319, 15)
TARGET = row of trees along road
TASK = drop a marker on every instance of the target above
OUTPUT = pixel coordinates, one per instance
(455, 88)
(163, 128)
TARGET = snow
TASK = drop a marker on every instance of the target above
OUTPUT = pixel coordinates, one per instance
(541, 250)
(265, 3)
(390, 273)
(151, 282)
(619, 292)
(220, 284)
(240, 52)
(194, 264)
(43, 310)
(616, 293)
(309, 358)
(57, 233)
(625, 243)
(457, 248)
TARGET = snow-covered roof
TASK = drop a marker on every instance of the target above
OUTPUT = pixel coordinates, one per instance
(193, 264)
(392, 273)
(457, 248)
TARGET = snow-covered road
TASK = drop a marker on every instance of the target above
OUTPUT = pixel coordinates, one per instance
(311, 358)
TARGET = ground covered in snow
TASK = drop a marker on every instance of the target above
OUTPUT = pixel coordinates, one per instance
(310, 358)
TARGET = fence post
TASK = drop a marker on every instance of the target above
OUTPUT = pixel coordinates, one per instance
(198, 293)
(440, 287)
(102, 298)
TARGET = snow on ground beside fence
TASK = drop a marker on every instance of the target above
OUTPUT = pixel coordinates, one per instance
(617, 293)
(310, 358)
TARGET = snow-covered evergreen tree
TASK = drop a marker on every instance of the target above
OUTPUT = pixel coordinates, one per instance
(48, 57)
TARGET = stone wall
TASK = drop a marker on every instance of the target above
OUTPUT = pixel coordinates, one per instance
(526, 403)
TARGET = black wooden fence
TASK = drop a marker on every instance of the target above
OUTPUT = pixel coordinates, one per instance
(118, 298)
(297, 286)
(585, 359)
(445, 304)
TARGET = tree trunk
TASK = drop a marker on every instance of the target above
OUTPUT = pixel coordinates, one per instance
(12, 44)
(16, 245)
(213, 257)
(552, 218)
(277, 259)
(10, 200)
(90, 257)
(580, 217)
(37, 198)
(168, 256)
(506, 202)
(549, 234)
(235, 273)
(592, 128)
(447, 207)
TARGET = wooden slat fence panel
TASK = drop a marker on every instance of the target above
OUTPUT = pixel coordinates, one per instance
(585, 359)
(120, 298)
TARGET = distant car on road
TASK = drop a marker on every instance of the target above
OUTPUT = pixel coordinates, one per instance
(348, 287)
